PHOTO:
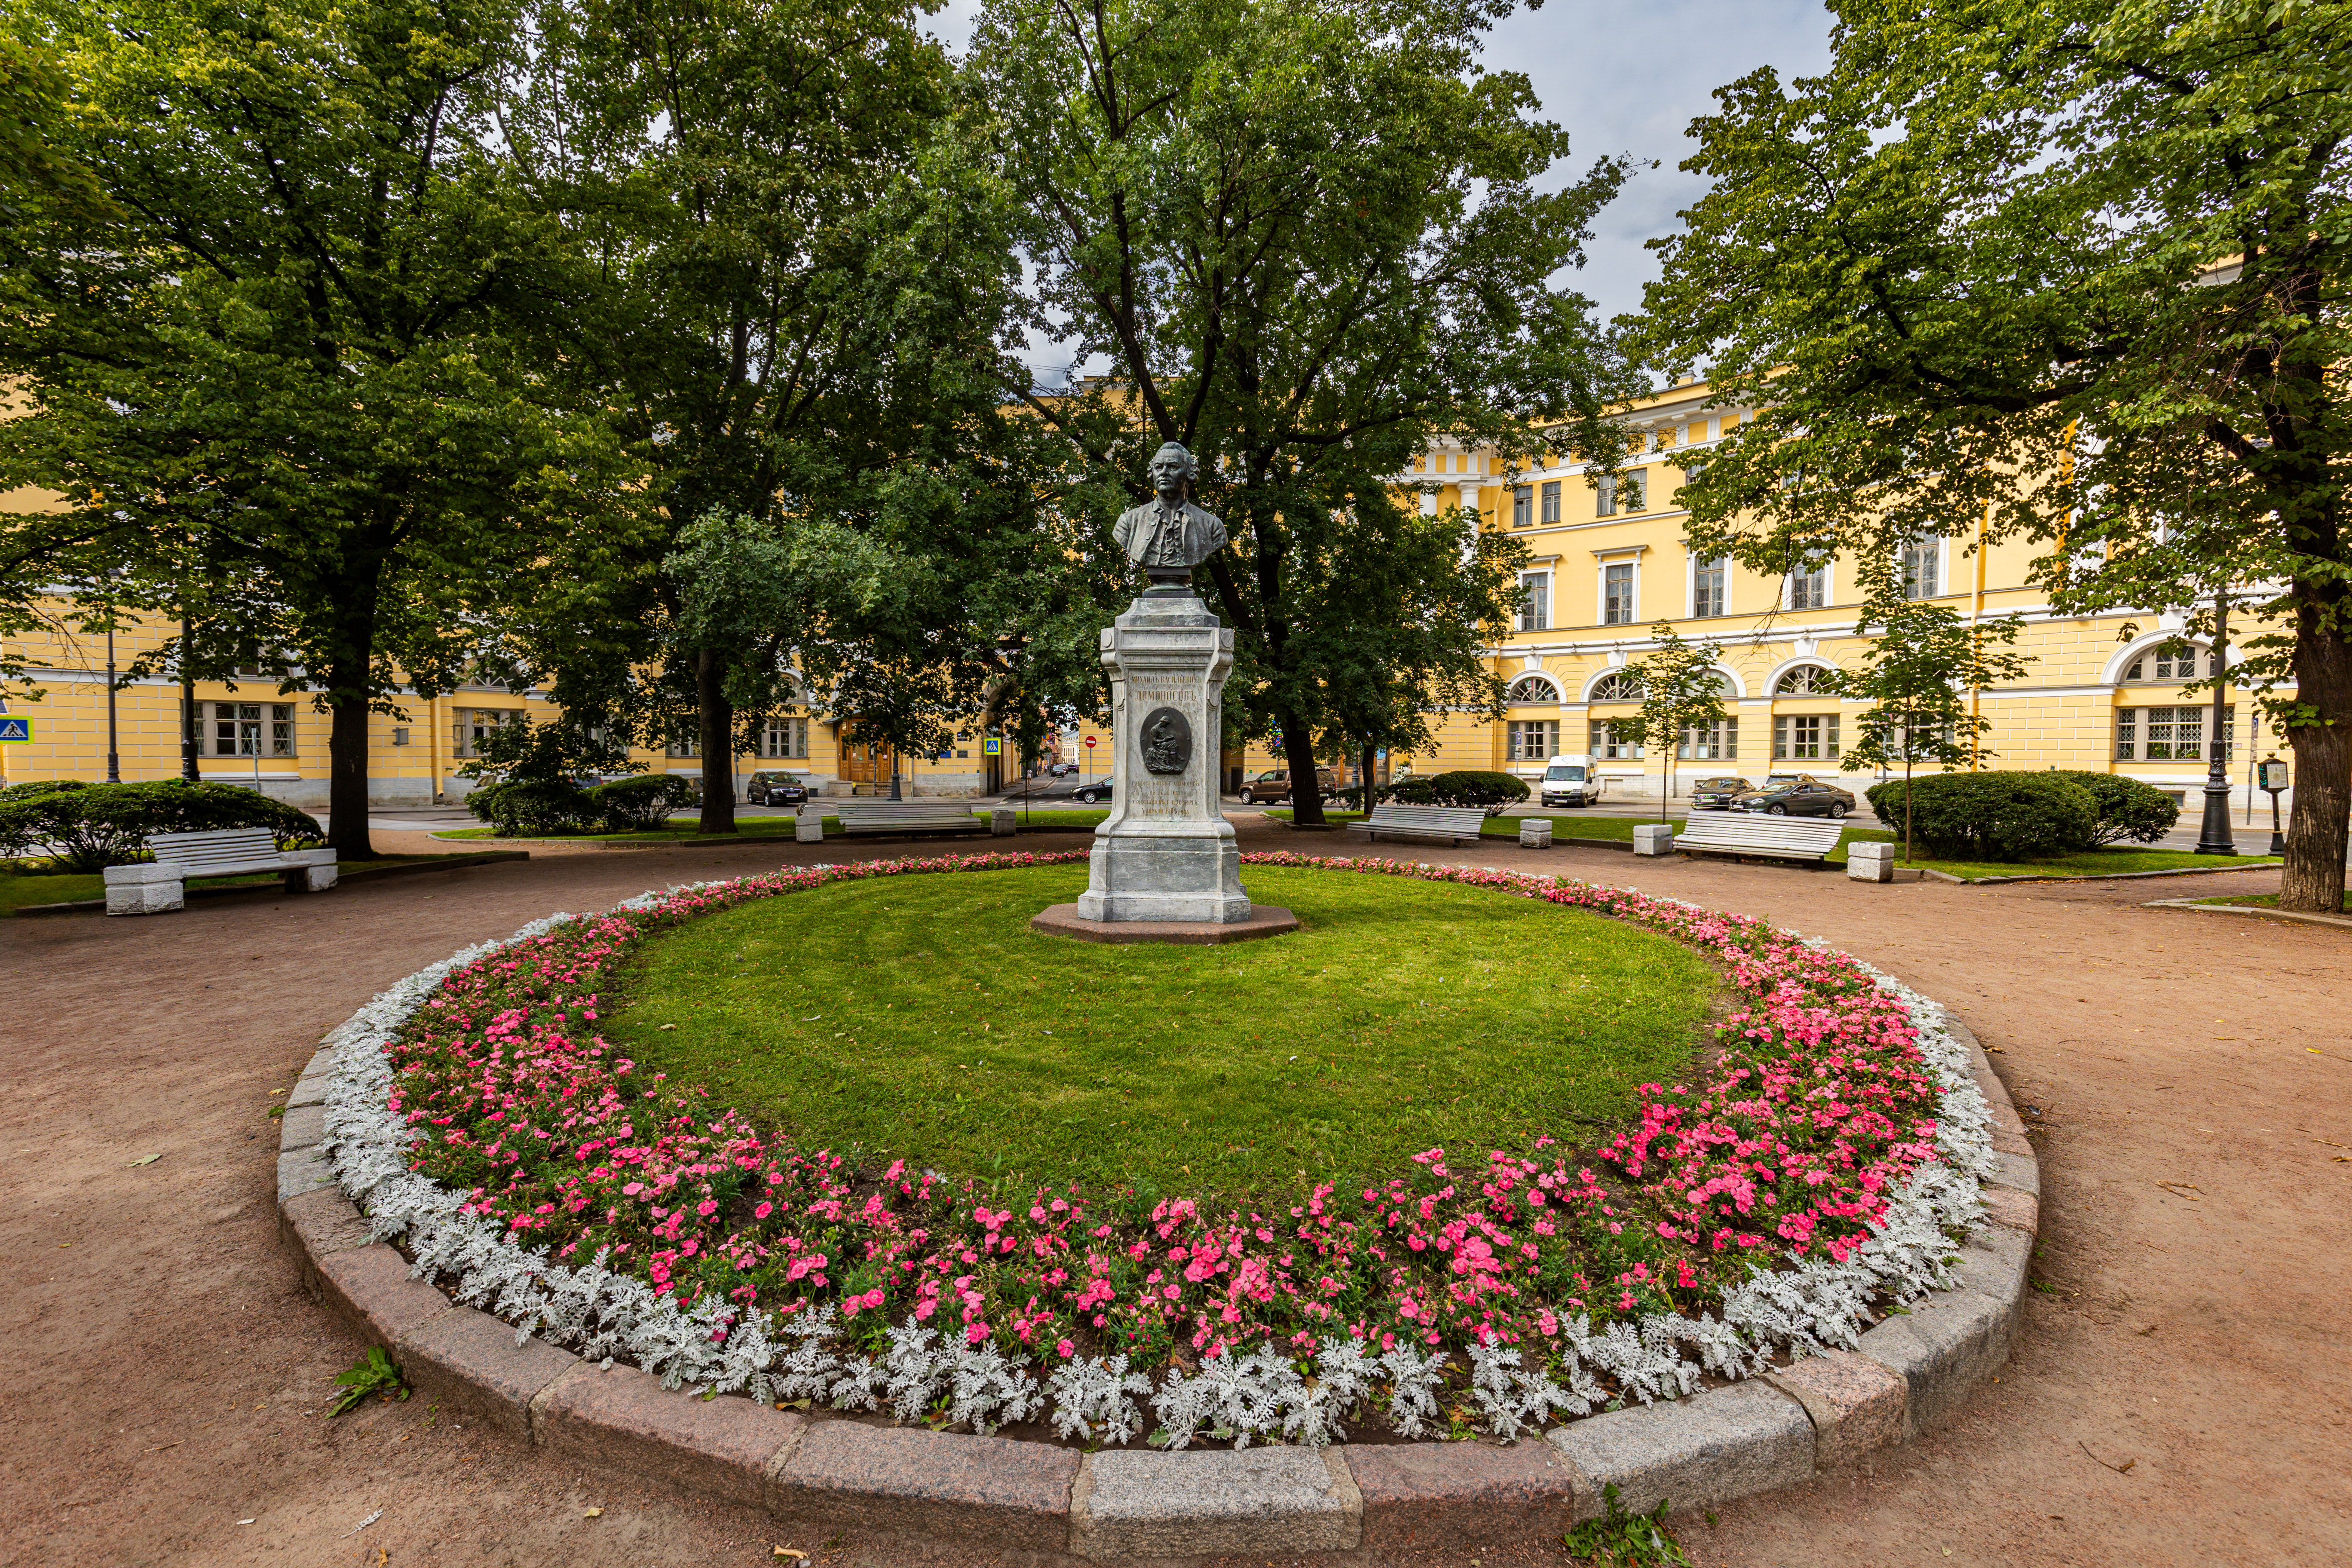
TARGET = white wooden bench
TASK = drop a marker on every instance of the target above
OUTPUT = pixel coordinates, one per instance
(1451, 824)
(160, 888)
(1744, 832)
(870, 816)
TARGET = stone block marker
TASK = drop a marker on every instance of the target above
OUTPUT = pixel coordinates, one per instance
(1459, 1497)
(1721, 1443)
(623, 1418)
(1654, 839)
(1535, 833)
(1014, 1496)
(1856, 1404)
(1199, 1502)
(1870, 862)
(1003, 824)
(808, 826)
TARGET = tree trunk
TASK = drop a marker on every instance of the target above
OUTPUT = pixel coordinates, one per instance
(347, 774)
(715, 722)
(2312, 878)
(1906, 799)
(1305, 783)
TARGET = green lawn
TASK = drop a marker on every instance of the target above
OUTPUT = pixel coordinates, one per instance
(924, 1018)
(2266, 901)
(779, 827)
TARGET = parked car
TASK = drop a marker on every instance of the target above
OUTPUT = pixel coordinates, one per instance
(1718, 793)
(1095, 793)
(1272, 785)
(1568, 780)
(1796, 794)
(1061, 770)
(776, 789)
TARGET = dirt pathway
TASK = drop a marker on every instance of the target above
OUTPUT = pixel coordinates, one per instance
(2179, 1397)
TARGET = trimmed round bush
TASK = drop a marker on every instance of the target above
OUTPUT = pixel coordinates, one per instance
(521, 807)
(1993, 815)
(86, 827)
(1474, 787)
(2128, 809)
(643, 801)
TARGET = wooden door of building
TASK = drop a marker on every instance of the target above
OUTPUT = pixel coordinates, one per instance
(866, 762)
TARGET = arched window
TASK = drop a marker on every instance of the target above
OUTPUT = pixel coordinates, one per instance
(1532, 688)
(2170, 663)
(1803, 681)
(1623, 685)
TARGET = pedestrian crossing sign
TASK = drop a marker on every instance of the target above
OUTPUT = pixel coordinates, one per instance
(995, 746)
(15, 729)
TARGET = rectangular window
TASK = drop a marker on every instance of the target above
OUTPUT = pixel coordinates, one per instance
(1604, 500)
(2172, 734)
(1717, 742)
(1804, 737)
(1617, 593)
(1808, 589)
(1523, 506)
(245, 729)
(1551, 502)
(1922, 566)
(1533, 740)
(1633, 489)
(1706, 587)
(1605, 742)
(475, 723)
(784, 738)
(691, 747)
(1535, 600)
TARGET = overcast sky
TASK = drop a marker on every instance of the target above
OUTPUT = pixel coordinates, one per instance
(1622, 79)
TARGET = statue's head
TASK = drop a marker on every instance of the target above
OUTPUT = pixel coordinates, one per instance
(1170, 467)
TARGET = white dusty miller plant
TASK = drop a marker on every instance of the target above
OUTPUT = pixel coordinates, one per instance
(1812, 1306)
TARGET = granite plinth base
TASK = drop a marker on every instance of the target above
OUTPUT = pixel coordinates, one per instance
(1063, 919)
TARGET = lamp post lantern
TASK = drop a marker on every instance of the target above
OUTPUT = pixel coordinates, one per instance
(2213, 838)
(2275, 782)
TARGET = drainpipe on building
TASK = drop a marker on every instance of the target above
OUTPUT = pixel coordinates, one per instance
(114, 757)
(188, 739)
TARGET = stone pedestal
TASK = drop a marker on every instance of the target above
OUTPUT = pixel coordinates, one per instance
(1654, 839)
(808, 826)
(1166, 853)
(1002, 823)
(1871, 862)
(1535, 833)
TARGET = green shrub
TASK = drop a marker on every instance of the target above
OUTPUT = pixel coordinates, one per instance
(86, 827)
(1991, 816)
(528, 807)
(644, 801)
(2127, 807)
(1474, 787)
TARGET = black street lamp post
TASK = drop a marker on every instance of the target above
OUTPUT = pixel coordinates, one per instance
(188, 744)
(114, 757)
(2214, 836)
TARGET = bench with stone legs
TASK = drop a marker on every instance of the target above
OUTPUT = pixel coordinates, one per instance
(878, 817)
(1744, 834)
(157, 888)
(1446, 824)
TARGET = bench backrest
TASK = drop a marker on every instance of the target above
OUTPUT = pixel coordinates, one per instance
(901, 812)
(222, 847)
(1752, 830)
(1465, 820)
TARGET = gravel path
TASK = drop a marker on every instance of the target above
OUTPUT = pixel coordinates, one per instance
(2178, 1396)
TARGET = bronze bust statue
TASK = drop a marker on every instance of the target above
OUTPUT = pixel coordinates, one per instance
(1169, 536)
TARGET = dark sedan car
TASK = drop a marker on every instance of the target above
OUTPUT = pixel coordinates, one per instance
(1092, 794)
(1798, 795)
(1718, 793)
(775, 789)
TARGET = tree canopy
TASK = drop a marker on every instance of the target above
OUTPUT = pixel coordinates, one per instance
(1307, 238)
(2071, 273)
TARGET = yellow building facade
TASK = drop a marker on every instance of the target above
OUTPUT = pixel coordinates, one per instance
(1609, 560)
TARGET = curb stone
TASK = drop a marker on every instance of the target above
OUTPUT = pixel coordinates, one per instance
(1914, 1370)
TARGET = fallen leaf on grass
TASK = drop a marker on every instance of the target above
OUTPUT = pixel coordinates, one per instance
(146, 1159)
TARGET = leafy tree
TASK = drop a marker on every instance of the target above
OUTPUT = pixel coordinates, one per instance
(805, 274)
(1307, 240)
(295, 391)
(1922, 661)
(2072, 269)
(1682, 689)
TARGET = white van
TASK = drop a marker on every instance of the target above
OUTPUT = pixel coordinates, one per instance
(1568, 780)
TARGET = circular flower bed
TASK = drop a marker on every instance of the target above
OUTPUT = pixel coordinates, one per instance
(1815, 1177)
